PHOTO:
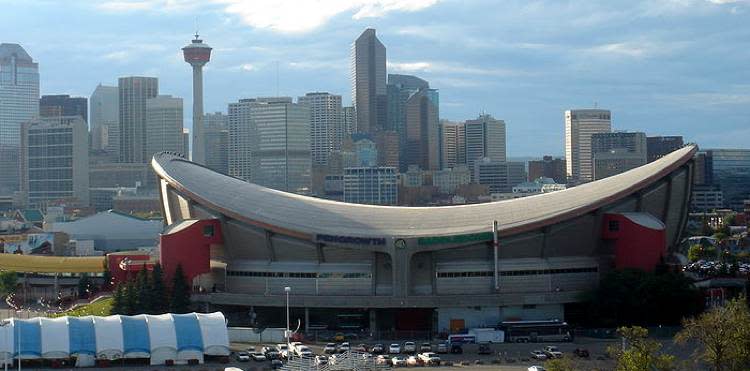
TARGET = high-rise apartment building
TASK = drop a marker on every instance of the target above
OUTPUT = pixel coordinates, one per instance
(371, 185)
(485, 138)
(63, 105)
(452, 144)
(349, 120)
(369, 82)
(104, 108)
(216, 129)
(618, 152)
(422, 134)
(269, 143)
(580, 125)
(658, 147)
(729, 169)
(55, 160)
(133, 93)
(19, 103)
(548, 167)
(326, 124)
(185, 142)
(164, 118)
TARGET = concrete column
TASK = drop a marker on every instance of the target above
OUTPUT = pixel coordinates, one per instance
(373, 321)
(307, 320)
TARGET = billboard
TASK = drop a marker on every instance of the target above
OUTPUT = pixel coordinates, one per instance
(32, 243)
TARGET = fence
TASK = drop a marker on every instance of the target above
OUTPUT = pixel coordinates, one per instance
(349, 361)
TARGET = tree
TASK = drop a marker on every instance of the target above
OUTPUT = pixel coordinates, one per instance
(560, 364)
(84, 286)
(180, 302)
(635, 297)
(143, 303)
(8, 282)
(159, 291)
(724, 336)
(118, 300)
(639, 353)
(131, 298)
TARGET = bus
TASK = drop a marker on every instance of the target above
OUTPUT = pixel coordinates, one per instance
(536, 331)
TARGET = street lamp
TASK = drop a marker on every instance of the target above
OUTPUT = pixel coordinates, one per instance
(287, 289)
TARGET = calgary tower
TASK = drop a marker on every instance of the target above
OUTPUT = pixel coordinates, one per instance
(197, 54)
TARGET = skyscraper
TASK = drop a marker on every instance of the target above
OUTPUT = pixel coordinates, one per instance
(164, 118)
(657, 147)
(452, 144)
(499, 176)
(215, 128)
(269, 143)
(349, 117)
(55, 160)
(104, 116)
(19, 103)
(422, 131)
(198, 54)
(133, 93)
(63, 105)
(485, 138)
(618, 152)
(369, 82)
(326, 124)
(399, 89)
(548, 167)
(580, 125)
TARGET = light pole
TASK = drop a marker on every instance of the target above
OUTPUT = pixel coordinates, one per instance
(287, 289)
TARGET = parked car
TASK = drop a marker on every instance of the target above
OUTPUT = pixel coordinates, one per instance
(484, 348)
(581, 352)
(537, 368)
(303, 351)
(442, 348)
(257, 356)
(377, 349)
(538, 355)
(425, 347)
(429, 358)
(412, 361)
(344, 347)
(381, 360)
(398, 361)
(283, 350)
(250, 349)
(552, 351)
(410, 347)
(242, 357)
(360, 348)
(394, 349)
(330, 348)
(272, 354)
(321, 360)
(276, 364)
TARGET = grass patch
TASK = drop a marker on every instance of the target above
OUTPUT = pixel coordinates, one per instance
(99, 308)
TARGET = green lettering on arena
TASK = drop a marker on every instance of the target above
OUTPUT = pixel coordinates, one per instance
(463, 238)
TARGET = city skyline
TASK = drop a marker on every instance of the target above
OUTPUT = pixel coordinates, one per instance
(662, 90)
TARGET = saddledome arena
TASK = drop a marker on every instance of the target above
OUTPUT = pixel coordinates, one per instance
(414, 268)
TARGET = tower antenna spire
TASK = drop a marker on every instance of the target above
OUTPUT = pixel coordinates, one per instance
(196, 28)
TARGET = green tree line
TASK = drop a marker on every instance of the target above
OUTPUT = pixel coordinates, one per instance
(148, 293)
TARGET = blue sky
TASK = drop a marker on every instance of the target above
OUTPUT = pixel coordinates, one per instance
(663, 67)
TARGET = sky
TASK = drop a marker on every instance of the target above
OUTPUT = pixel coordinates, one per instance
(669, 67)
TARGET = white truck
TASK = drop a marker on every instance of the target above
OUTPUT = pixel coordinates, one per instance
(488, 335)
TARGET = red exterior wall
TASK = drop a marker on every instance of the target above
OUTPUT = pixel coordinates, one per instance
(189, 247)
(636, 246)
(136, 258)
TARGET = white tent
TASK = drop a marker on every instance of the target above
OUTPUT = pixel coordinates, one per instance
(189, 338)
(109, 344)
(55, 338)
(135, 337)
(30, 342)
(7, 344)
(214, 333)
(163, 340)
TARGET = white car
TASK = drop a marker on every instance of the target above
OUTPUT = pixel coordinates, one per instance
(410, 347)
(552, 351)
(538, 355)
(321, 360)
(429, 358)
(344, 347)
(242, 357)
(412, 361)
(398, 361)
(303, 351)
(283, 350)
(394, 349)
(257, 356)
(330, 348)
(537, 368)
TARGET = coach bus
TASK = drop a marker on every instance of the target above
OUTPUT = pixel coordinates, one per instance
(536, 331)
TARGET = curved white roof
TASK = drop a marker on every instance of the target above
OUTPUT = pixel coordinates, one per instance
(55, 338)
(214, 333)
(305, 216)
(109, 343)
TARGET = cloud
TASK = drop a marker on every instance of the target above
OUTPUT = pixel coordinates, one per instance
(294, 16)
(452, 68)
(248, 67)
(708, 99)
(115, 6)
(117, 56)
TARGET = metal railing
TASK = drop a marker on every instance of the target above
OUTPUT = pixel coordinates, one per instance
(348, 361)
